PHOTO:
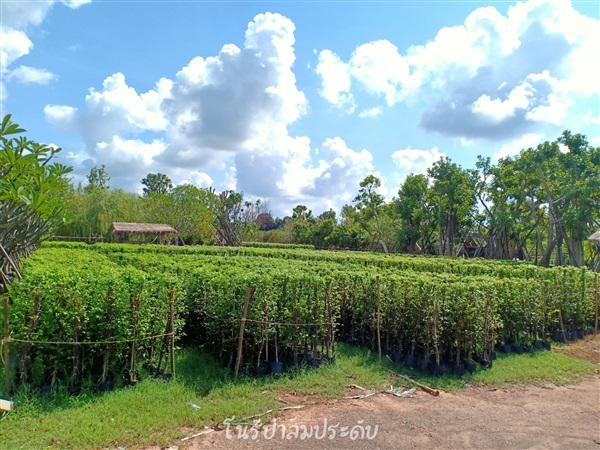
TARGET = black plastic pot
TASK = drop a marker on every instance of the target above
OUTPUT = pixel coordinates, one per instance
(329, 359)
(506, 348)
(557, 336)
(48, 389)
(314, 363)
(437, 369)
(304, 357)
(108, 385)
(527, 348)
(547, 345)
(538, 345)
(494, 356)
(409, 361)
(397, 357)
(276, 367)
(518, 349)
(423, 365)
(259, 371)
(74, 390)
(568, 336)
(580, 334)
(486, 364)
(458, 369)
(470, 367)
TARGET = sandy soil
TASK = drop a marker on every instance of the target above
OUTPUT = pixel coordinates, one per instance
(519, 417)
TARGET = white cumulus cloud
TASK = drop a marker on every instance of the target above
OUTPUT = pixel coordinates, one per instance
(31, 75)
(380, 69)
(336, 81)
(228, 112)
(17, 18)
(494, 76)
(412, 160)
(514, 147)
(370, 112)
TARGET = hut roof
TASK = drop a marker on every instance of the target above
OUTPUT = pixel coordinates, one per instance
(142, 228)
(595, 237)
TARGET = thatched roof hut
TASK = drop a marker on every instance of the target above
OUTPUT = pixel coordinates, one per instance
(160, 230)
(595, 237)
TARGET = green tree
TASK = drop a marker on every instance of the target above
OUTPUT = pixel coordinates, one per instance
(453, 196)
(367, 202)
(30, 187)
(191, 214)
(301, 223)
(92, 211)
(157, 183)
(568, 170)
(98, 178)
(413, 210)
(227, 209)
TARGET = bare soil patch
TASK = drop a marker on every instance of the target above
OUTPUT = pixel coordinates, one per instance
(518, 417)
(587, 349)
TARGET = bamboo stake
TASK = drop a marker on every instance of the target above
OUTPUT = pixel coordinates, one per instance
(378, 316)
(596, 292)
(134, 309)
(6, 350)
(562, 325)
(249, 294)
(427, 389)
(172, 331)
(329, 324)
(295, 340)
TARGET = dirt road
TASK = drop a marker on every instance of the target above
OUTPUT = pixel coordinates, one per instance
(518, 417)
(541, 417)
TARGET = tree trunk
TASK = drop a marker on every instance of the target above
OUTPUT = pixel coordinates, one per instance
(450, 231)
(379, 234)
(545, 260)
(412, 247)
(575, 248)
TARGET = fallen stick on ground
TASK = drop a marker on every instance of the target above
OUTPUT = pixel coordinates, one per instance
(362, 396)
(427, 389)
(219, 426)
(241, 421)
(357, 387)
(210, 430)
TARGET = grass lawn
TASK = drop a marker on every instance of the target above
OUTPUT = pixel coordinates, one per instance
(158, 413)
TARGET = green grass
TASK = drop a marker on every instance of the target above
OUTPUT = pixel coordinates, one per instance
(157, 413)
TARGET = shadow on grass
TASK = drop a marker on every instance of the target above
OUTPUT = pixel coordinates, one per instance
(203, 377)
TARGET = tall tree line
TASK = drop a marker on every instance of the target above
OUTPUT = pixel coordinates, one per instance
(540, 205)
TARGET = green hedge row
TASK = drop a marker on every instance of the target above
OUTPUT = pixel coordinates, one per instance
(300, 304)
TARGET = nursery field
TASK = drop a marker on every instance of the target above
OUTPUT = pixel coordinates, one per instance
(103, 313)
(87, 319)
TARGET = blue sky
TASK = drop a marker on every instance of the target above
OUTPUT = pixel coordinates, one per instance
(296, 102)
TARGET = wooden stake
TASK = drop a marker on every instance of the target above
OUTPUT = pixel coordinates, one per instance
(427, 389)
(562, 325)
(6, 352)
(249, 294)
(134, 310)
(172, 331)
(296, 334)
(378, 316)
(596, 293)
